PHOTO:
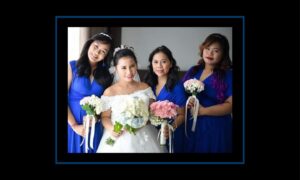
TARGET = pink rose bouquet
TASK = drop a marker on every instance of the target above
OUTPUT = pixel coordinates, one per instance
(160, 112)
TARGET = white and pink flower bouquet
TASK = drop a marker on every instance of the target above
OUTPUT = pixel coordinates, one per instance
(135, 114)
(161, 111)
(93, 106)
(193, 86)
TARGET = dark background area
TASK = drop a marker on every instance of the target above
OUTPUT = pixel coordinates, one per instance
(272, 96)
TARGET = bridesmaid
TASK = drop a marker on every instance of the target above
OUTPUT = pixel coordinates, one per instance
(163, 77)
(213, 133)
(86, 76)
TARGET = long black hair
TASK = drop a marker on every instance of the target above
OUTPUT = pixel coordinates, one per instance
(173, 74)
(220, 68)
(101, 73)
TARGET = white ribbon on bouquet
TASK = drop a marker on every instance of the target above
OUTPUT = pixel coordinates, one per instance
(194, 112)
(161, 138)
(86, 140)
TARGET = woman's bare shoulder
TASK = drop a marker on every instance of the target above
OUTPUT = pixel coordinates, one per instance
(111, 90)
(143, 85)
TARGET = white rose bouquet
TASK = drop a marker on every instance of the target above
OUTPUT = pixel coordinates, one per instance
(135, 115)
(93, 106)
(193, 86)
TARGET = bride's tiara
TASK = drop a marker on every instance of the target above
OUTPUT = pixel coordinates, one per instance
(123, 47)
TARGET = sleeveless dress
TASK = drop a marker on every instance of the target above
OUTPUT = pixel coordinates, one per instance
(145, 139)
(81, 87)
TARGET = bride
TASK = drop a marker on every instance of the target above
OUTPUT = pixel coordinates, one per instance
(144, 140)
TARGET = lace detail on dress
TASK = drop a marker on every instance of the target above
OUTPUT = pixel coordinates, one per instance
(150, 93)
(116, 103)
(106, 102)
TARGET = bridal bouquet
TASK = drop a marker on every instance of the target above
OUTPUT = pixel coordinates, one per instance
(193, 86)
(93, 106)
(160, 112)
(135, 115)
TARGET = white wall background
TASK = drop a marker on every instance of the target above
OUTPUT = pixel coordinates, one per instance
(73, 43)
(182, 41)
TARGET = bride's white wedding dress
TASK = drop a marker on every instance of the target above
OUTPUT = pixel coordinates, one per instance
(145, 139)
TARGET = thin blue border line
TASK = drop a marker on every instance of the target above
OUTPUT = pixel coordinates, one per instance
(147, 17)
(55, 88)
(244, 69)
(157, 163)
(138, 17)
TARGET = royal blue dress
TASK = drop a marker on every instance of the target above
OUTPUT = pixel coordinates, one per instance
(213, 134)
(177, 96)
(81, 87)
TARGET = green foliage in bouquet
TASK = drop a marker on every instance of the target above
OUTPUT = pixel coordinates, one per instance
(130, 129)
(117, 128)
(88, 109)
(110, 141)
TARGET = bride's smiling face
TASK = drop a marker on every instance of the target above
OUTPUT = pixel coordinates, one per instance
(126, 68)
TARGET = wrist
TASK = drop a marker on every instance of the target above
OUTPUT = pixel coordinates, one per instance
(111, 128)
(73, 125)
(202, 111)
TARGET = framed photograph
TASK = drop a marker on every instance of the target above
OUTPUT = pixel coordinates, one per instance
(185, 37)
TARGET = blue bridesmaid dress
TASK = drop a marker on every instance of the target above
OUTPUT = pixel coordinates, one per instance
(177, 96)
(81, 87)
(213, 134)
